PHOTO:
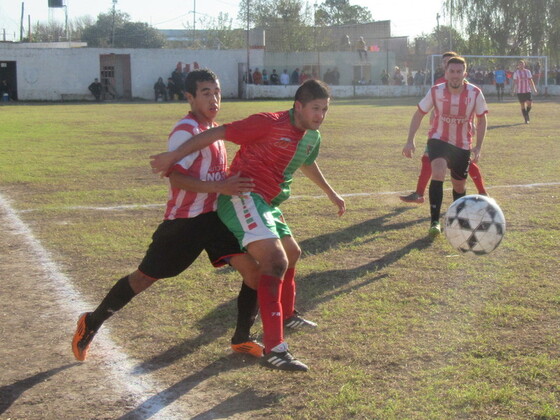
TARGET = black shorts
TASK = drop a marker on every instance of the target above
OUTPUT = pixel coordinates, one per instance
(177, 243)
(524, 97)
(458, 159)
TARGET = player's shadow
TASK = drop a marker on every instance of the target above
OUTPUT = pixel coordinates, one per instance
(209, 331)
(320, 287)
(494, 127)
(10, 393)
(347, 236)
(244, 401)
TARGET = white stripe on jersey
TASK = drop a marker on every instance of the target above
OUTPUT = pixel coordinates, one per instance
(454, 113)
(521, 79)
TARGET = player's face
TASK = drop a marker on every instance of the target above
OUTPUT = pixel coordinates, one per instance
(206, 104)
(311, 115)
(455, 75)
(521, 65)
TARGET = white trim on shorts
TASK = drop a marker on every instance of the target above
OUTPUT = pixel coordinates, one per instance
(254, 227)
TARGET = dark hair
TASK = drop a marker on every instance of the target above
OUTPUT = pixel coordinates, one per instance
(198, 75)
(312, 89)
(457, 60)
(449, 54)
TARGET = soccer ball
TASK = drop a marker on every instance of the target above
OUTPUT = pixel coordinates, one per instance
(475, 224)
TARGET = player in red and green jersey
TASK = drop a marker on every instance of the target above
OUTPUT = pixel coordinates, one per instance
(272, 147)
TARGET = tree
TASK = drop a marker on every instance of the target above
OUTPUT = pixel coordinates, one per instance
(340, 12)
(56, 32)
(115, 29)
(509, 27)
(287, 23)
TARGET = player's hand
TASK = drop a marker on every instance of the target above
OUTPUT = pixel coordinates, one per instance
(338, 201)
(236, 185)
(162, 163)
(475, 151)
(408, 150)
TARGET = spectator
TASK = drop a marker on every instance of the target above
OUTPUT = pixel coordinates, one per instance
(160, 90)
(384, 77)
(5, 91)
(335, 76)
(361, 47)
(257, 77)
(397, 77)
(285, 78)
(274, 78)
(345, 44)
(96, 89)
(171, 89)
(294, 79)
(265, 77)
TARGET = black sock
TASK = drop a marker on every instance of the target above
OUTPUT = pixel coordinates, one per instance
(457, 195)
(436, 197)
(247, 309)
(116, 299)
(528, 110)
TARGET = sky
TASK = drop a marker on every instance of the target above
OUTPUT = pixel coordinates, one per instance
(407, 18)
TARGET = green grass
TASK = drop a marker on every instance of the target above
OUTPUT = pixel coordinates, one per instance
(408, 329)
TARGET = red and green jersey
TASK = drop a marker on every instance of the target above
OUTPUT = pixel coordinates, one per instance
(272, 148)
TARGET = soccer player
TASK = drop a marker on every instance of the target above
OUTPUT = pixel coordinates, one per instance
(426, 168)
(500, 80)
(455, 104)
(522, 85)
(272, 147)
(190, 224)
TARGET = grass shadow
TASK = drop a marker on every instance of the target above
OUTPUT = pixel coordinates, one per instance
(159, 401)
(10, 393)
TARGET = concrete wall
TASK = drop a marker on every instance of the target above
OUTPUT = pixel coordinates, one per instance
(48, 74)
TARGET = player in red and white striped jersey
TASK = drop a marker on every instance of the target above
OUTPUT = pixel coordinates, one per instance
(191, 224)
(455, 104)
(522, 85)
(426, 169)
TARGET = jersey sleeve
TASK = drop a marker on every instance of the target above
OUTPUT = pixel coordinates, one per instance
(314, 153)
(248, 130)
(175, 140)
(427, 103)
(481, 107)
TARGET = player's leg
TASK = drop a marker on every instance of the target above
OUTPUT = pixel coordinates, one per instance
(252, 221)
(437, 151)
(459, 166)
(247, 306)
(292, 318)
(476, 176)
(423, 179)
(521, 99)
(528, 107)
(168, 255)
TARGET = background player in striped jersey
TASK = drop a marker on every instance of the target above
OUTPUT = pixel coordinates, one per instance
(426, 168)
(522, 85)
(455, 104)
(272, 147)
(190, 224)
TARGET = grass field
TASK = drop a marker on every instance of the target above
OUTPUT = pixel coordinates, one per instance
(408, 329)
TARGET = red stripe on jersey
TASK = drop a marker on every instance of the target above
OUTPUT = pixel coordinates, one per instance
(208, 164)
(521, 79)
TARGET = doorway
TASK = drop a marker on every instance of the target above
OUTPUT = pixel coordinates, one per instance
(9, 74)
(115, 76)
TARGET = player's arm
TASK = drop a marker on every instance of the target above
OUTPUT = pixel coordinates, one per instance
(533, 85)
(313, 172)
(233, 185)
(410, 146)
(162, 162)
(481, 124)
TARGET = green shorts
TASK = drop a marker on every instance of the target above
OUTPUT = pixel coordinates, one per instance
(251, 219)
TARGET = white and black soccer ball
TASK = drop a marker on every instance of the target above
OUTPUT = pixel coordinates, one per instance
(475, 224)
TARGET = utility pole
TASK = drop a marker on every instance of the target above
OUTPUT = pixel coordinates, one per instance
(21, 22)
(113, 25)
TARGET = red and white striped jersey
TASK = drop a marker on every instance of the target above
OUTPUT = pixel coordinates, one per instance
(208, 164)
(522, 78)
(453, 113)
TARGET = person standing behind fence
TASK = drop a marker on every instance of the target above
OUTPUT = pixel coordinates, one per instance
(500, 81)
(361, 47)
(522, 85)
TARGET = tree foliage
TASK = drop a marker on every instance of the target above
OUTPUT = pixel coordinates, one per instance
(56, 31)
(341, 12)
(115, 29)
(509, 27)
(288, 23)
